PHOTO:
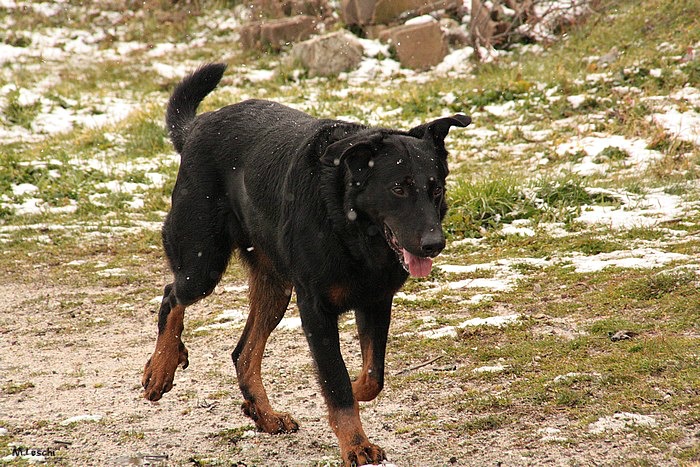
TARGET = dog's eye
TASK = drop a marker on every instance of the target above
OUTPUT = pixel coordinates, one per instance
(437, 192)
(398, 190)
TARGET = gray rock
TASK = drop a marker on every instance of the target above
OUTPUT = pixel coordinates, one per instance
(277, 33)
(328, 55)
(418, 46)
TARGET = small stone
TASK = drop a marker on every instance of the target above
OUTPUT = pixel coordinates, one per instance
(621, 335)
(329, 55)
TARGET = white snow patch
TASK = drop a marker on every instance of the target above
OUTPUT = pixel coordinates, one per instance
(576, 100)
(574, 375)
(112, 272)
(30, 458)
(456, 61)
(370, 69)
(256, 76)
(480, 297)
(498, 321)
(489, 369)
(117, 186)
(551, 14)
(9, 53)
(636, 211)
(47, 9)
(639, 258)
(451, 331)
(158, 179)
(236, 288)
(449, 98)
(621, 421)
(81, 418)
(550, 434)
(169, 71)
(289, 324)
(554, 229)
(421, 20)
(405, 296)
(639, 156)
(447, 331)
(461, 269)
(23, 189)
(510, 229)
(36, 206)
(504, 275)
(688, 93)
(497, 285)
(683, 125)
(136, 203)
(53, 118)
(373, 48)
(483, 134)
(229, 318)
(214, 326)
(233, 315)
(230, 23)
(501, 110)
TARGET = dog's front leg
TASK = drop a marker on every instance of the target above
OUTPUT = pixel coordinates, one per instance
(373, 328)
(170, 352)
(321, 329)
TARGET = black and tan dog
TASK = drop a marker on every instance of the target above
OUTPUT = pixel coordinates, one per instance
(337, 211)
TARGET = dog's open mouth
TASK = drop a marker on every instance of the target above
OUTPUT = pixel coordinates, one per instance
(416, 266)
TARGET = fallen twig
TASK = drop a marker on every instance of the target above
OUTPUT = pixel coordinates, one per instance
(420, 365)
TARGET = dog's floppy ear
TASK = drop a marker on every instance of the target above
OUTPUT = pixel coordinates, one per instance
(437, 129)
(352, 153)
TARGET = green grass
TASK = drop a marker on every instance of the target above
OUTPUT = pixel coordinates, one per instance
(482, 205)
(485, 204)
(16, 388)
(20, 114)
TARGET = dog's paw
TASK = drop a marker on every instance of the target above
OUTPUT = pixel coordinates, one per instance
(183, 356)
(155, 381)
(270, 421)
(363, 454)
(159, 372)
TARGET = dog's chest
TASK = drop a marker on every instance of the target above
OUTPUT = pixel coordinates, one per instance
(356, 291)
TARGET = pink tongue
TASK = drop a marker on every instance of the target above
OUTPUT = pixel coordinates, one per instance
(417, 266)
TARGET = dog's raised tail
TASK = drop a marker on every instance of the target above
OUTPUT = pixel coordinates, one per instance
(182, 106)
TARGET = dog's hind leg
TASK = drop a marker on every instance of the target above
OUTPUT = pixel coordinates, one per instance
(198, 248)
(170, 352)
(269, 297)
(373, 328)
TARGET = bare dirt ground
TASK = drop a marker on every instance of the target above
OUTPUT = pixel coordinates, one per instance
(89, 363)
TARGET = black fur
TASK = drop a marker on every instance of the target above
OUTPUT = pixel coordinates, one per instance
(315, 203)
(186, 97)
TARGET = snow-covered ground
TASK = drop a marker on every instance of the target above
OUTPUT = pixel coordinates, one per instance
(676, 113)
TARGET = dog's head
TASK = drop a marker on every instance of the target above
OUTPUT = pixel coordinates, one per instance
(395, 182)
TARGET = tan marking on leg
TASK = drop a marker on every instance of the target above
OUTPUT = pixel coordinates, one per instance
(366, 387)
(269, 298)
(170, 352)
(355, 448)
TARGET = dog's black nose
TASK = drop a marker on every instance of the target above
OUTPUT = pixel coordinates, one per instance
(432, 244)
